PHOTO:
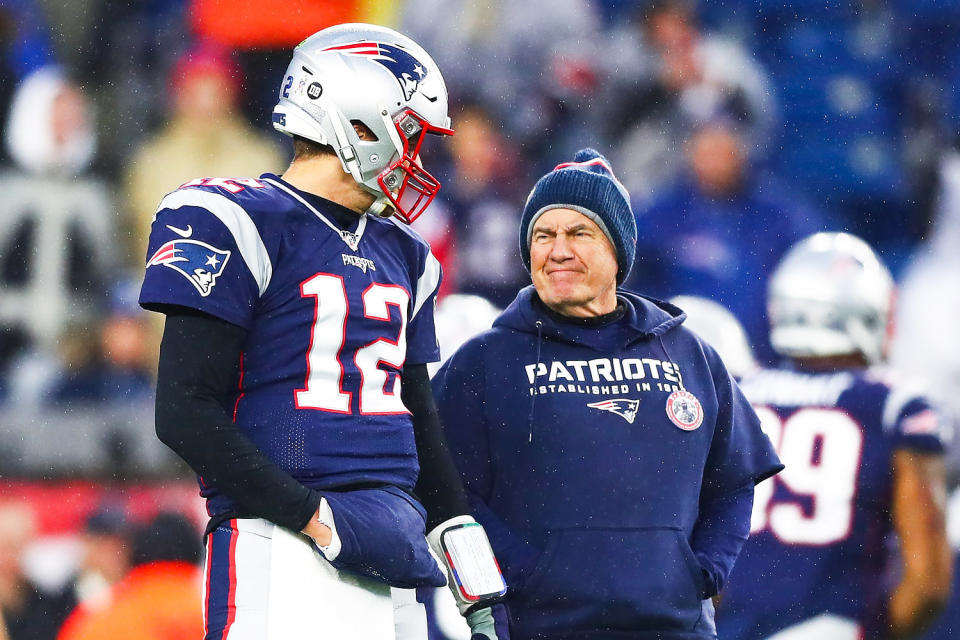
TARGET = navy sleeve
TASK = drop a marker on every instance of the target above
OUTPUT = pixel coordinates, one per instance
(740, 456)
(722, 527)
(913, 423)
(205, 253)
(459, 389)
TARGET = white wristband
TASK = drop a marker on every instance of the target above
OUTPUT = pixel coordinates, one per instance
(472, 571)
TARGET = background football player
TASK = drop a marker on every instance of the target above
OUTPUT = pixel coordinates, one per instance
(296, 305)
(863, 456)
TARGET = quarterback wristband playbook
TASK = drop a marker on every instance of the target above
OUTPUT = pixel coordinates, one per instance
(473, 574)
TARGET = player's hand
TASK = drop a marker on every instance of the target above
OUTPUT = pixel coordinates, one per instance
(321, 534)
(483, 624)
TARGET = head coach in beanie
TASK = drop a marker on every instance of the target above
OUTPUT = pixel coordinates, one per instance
(586, 185)
(606, 450)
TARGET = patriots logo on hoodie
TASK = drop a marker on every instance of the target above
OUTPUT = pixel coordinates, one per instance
(197, 261)
(623, 407)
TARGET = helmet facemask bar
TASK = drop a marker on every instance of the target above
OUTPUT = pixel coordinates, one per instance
(408, 186)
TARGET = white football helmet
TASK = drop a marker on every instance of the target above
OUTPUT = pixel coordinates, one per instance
(830, 295)
(714, 323)
(373, 75)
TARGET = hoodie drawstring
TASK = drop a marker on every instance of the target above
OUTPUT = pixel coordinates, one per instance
(533, 398)
(676, 367)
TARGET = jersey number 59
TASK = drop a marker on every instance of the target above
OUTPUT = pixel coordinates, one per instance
(820, 449)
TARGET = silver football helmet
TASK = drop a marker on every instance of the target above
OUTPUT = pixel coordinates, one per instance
(361, 73)
(830, 295)
(714, 323)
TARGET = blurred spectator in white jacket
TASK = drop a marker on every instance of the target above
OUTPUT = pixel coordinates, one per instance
(57, 242)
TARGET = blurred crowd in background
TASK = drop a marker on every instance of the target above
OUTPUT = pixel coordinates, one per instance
(739, 127)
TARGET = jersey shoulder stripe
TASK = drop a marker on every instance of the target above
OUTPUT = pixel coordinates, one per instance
(238, 222)
(427, 283)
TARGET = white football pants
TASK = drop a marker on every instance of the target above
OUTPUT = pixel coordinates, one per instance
(266, 583)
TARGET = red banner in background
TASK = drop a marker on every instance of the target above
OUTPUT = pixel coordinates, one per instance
(263, 24)
(62, 507)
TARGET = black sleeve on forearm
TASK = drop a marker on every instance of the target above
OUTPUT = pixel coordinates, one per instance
(439, 486)
(199, 367)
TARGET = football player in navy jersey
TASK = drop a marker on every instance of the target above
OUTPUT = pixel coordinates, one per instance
(864, 460)
(293, 374)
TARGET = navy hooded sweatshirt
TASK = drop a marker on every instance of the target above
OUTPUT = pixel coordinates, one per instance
(608, 466)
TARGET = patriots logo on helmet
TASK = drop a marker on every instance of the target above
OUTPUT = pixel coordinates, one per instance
(197, 261)
(623, 407)
(408, 71)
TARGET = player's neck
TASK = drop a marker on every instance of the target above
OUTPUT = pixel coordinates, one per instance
(324, 176)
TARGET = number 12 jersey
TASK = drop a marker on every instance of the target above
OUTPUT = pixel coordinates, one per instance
(335, 304)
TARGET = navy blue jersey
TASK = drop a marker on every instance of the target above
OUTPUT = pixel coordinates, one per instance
(332, 316)
(819, 528)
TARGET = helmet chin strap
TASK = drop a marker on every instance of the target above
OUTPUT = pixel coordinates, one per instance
(381, 207)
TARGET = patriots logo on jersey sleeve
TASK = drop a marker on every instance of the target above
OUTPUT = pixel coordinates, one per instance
(924, 423)
(197, 261)
(623, 407)
(408, 71)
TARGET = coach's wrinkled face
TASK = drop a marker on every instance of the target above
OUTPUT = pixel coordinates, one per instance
(573, 264)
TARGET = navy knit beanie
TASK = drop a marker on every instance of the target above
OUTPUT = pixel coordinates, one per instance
(586, 185)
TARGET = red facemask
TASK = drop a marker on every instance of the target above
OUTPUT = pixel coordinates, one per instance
(408, 186)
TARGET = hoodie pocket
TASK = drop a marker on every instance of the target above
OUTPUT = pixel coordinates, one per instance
(612, 578)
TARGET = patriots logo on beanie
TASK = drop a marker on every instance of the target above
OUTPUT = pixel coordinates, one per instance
(587, 185)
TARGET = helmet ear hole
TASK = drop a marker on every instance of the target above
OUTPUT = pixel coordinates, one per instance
(364, 132)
